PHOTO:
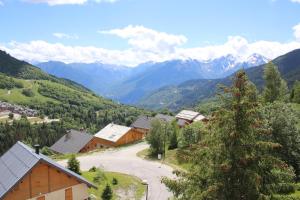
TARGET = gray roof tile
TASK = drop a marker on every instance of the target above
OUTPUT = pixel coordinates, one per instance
(71, 142)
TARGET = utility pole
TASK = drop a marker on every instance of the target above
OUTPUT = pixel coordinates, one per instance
(145, 182)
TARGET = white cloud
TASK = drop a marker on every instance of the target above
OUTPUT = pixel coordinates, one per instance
(146, 45)
(145, 39)
(296, 1)
(64, 2)
(1, 3)
(65, 36)
(297, 31)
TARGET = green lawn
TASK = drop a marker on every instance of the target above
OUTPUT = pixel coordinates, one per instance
(171, 159)
(128, 186)
(17, 97)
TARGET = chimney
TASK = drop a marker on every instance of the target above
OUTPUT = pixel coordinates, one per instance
(68, 135)
(37, 148)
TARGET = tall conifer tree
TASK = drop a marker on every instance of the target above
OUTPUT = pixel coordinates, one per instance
(232, 161)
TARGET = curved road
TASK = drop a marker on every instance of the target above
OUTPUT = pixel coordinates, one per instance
(124, 160)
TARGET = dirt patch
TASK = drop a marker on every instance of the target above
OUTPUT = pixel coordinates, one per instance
(126, 194)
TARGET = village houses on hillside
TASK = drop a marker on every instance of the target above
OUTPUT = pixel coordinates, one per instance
(12, 108)
(114, 135)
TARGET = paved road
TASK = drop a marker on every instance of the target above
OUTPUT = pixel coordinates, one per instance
(124, 160)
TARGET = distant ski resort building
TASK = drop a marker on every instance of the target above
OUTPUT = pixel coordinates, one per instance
(5, 107)
(28, 175)
(74, 142)
(114, 135)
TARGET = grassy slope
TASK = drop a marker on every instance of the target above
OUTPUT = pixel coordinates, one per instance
(171, 159)
(17, 97)
(125, 183)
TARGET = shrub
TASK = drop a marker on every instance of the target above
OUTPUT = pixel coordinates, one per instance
(114, 181)
(286, 188)
(107, 193)
(47, 151)
(74, 165)
(11, 115)
(27, 92)
(93, 169)
(100, 176)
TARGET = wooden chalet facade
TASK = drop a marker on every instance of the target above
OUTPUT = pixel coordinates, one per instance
(28, 175)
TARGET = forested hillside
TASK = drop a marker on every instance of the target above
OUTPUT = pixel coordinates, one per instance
(192, 92)
(74, 105)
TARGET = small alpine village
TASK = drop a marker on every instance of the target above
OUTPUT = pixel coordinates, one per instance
(243, 143)
(150, 100)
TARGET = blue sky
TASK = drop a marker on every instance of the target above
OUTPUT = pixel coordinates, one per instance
(130, 32)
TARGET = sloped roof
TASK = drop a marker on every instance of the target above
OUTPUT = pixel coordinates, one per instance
(199, 118)
(166, 118)
(187, 114)
(112, 132)
(143, 122)
(72, 142)
(19, 160)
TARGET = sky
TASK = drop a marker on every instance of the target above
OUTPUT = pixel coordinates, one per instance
(130, 32)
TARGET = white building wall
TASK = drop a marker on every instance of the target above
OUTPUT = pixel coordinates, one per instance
(80, 192)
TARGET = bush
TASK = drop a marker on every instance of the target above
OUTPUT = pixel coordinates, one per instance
(46, 151)
(114, 181)
(286, 188)
(74, 165)
(93, 169)
(107, 193)
(100, 176)
(27, 92)
(285, 197)
(11, 115)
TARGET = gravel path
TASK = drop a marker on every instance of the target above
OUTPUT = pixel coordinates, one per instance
(124, 160)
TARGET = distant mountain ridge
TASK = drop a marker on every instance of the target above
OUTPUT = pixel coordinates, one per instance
(129, 85)
(191, 92)
(21, 69)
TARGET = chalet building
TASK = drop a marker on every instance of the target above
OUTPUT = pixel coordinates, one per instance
(28, 175)
(142, 124)
(186, 117)
(114, 135)
(74, 142)
(165, 118)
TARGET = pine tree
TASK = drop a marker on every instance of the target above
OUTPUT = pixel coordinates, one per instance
(233, 162)
(156, 137)
(107, 193)
(74, 165)
(295, 94)
(275, 87)
(282, 121)
(173, 140)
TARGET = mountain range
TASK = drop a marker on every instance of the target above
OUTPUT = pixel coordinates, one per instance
(191, 92)
(130, 84)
